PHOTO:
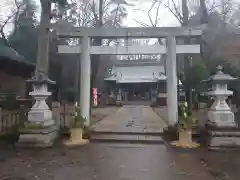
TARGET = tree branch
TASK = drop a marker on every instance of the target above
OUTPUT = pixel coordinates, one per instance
(115, 18)
(214, 6)
(149, 15)
(141, 23)
(156, 18)
(92, 7)
(176, 13)
(15, 13)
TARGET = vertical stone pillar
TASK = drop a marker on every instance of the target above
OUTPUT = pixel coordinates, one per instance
(56, 112)
(85, 85)
(171, 72)
(119, 95)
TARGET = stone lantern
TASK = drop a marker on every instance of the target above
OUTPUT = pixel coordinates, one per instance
(220, 114)
(40, 129)
(221, 127)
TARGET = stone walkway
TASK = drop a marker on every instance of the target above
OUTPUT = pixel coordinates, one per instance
(131, 123)
(132, 119)
(100, 113)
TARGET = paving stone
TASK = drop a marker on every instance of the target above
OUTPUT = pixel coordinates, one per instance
(145, 120)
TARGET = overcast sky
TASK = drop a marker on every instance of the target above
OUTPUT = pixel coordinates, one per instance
(134, 14)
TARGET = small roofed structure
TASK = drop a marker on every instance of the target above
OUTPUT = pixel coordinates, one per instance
(14, 70)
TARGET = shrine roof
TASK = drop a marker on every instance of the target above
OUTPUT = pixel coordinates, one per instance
(9, 53)
(136, 72)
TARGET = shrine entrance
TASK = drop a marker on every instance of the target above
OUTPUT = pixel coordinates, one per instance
(138, 91)
(171, 48)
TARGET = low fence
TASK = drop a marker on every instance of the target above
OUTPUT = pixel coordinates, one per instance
(62, 114)
(66, 120)
(11, 120)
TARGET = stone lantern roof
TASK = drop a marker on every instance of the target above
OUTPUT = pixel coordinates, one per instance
(40, 78)
(220, 76)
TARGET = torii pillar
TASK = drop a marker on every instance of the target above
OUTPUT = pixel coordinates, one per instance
(85, 83)
(172, 100)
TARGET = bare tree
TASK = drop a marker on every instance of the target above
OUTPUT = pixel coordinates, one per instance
(153, 14)
(93, 13)
(225, 8)
(6, 20)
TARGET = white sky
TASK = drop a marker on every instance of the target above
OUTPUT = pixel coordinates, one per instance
(166, 18)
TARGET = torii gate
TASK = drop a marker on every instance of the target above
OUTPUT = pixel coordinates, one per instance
(171, 49)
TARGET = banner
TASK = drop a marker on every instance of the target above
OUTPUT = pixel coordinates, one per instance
(94, 90)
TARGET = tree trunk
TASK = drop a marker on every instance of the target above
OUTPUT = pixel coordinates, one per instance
(43, 38)
(97, 42)
(204, 13)
(185, 22)
(185, 13)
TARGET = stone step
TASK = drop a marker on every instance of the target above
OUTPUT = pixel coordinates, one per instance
(127, 138)
(105, 132)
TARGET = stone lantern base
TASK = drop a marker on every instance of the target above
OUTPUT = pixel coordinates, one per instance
(222, 138)
(222, 131)
(221, 118)
(37, 137)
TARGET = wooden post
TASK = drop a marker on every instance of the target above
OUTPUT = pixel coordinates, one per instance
(0, 119)
(22, 116)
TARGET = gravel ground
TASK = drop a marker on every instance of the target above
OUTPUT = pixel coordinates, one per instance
(101, 161)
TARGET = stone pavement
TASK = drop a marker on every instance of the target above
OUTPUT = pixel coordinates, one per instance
(102, 112)
(162, 112)
(132, 119)
(131, 123)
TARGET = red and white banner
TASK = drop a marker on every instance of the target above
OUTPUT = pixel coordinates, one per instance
(94, 90)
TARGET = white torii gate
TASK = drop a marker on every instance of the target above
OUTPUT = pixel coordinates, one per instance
(171, 49)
